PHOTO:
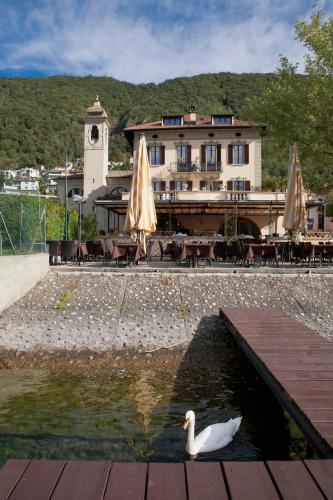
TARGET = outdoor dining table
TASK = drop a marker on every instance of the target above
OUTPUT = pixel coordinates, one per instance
(259, 251)
(193, 251)
(133, 252)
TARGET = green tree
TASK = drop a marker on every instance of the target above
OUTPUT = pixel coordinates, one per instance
(298, 108)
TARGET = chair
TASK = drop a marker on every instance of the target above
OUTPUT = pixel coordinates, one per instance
(269, 253)
(69, 250)
(221, 250)
(54, 251)
(105, 251)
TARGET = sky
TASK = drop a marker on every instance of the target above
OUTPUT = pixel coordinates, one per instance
(143, 41)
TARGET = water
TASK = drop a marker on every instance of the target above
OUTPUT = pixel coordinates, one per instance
(134, 413)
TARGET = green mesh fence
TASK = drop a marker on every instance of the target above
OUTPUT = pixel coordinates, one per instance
(26, 223)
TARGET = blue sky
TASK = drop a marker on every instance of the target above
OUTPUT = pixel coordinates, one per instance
(148, 40)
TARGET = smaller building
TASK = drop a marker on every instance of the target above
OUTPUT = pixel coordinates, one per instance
(27, 173)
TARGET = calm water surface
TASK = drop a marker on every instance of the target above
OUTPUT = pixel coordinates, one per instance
(136, 414)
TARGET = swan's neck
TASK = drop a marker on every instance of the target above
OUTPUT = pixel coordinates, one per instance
(190, 435)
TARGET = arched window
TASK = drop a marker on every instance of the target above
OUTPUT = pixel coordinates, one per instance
(94, 133)
(74, 191)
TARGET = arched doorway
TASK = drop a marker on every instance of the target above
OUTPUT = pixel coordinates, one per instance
(247, 226)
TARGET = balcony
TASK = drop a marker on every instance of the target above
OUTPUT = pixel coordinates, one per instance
(199, 167)
(238, 195)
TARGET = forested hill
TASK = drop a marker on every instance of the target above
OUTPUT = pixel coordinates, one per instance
(40, 117)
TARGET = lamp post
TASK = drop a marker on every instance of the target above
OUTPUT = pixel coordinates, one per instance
(80, 200)
(66, 202)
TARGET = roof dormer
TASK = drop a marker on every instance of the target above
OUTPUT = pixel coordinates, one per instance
(172, 120)
(223, 119)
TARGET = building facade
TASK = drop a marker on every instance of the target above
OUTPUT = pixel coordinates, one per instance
(205, 170)
(206, 176)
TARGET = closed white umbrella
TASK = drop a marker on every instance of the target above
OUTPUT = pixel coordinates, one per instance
(294, 219)
(141, 214)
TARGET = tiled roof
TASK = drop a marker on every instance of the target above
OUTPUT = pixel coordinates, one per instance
(202, 121)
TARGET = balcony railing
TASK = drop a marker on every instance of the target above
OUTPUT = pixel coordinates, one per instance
(238, 195)
(199, 167)
(165, 195)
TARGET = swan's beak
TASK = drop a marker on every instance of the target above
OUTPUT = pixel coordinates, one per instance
(185, 424)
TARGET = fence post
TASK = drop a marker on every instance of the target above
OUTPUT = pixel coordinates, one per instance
(38, 230)
(10, 240)
(45, 229)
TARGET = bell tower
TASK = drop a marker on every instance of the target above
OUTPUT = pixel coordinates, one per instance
(96, 153)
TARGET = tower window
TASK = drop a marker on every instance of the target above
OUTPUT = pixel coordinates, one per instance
(94, 133)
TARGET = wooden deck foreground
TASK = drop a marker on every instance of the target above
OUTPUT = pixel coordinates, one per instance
(75, 480)
(295, 362)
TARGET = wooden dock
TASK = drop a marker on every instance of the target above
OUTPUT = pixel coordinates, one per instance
(295, 362)
(103, 480)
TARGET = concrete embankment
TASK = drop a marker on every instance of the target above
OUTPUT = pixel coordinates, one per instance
(18, 274)
(105, 312)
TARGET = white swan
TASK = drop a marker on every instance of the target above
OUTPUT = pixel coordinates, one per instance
(212, 438)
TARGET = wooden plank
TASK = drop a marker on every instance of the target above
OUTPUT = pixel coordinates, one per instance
(38, 480)
(294, 481)
(322, 415)
(293, 375)
(127, 480)
(325, 428)
(321, 386)
(82, 480)
(10, 474)
(315, 402)
(166, 482)
(205, 481)
(304, 375)
(249, 480)
(322, 471)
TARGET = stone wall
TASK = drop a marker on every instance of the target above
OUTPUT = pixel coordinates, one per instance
(18, 274)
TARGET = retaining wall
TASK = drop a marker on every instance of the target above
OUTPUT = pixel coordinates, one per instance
(18, 274)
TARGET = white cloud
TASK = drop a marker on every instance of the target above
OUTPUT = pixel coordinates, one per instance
(103, 38)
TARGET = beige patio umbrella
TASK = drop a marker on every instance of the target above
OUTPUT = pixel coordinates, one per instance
(294, 219)
(141, 215)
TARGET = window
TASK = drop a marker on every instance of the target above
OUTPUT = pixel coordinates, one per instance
(239, 185)
(211, 154)
(156, 185)
(94, 133)
(181, 154)
(75, 191)
(222, 120)
(172, 120)
(181, 186)
(155, 155)
(238, 154)
(119, 190)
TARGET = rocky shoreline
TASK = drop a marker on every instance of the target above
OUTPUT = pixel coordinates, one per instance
(147, 312)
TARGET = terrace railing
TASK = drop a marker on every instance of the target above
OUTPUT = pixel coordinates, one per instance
(199, 167)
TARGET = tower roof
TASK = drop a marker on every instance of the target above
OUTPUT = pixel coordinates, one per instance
(96, 109)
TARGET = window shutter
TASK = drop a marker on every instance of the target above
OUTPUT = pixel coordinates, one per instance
(189, 154)
(230, 154)
(229, 185)
(203, 153)
(218, 154)
(148, 151)
(189, 185)
(162, 155)
(202, 184)
(247, 185)
(246, 153)
(172, 186)
(162, 185)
